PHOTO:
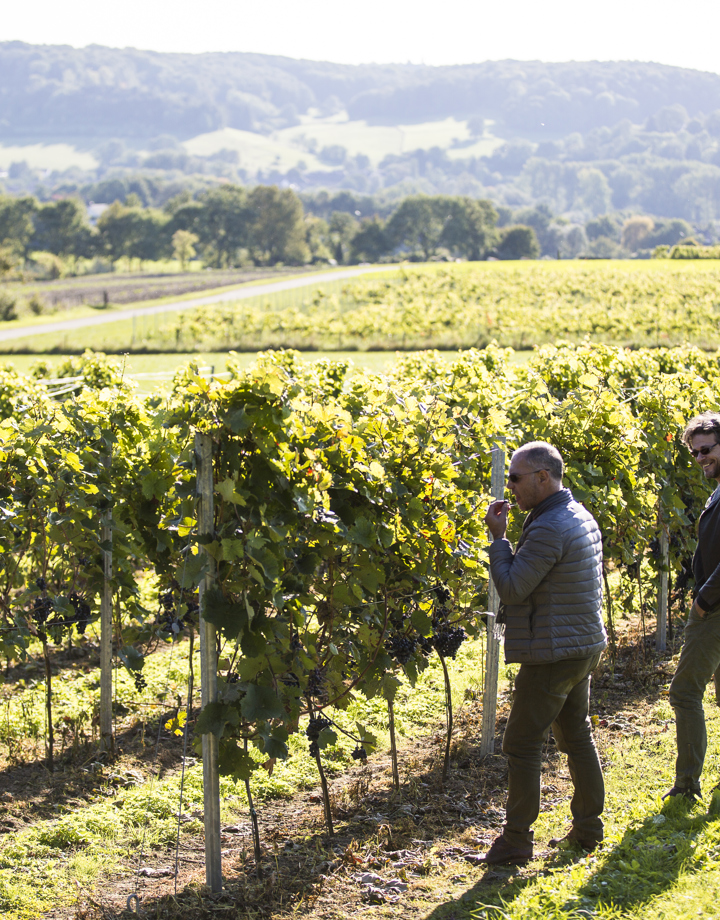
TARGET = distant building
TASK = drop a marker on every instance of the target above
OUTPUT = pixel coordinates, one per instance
(94, 211)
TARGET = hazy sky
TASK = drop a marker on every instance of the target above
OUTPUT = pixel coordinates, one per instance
(446, 32)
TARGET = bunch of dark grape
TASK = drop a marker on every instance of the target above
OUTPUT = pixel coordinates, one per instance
(82, 611)
(448, 639)
(425, 644)
(168, 619)
(41, 583)
(316, 684)
(401, 647)
(140, 682)
(655, 548)
(315, 726)
(359, 753)
(42, 608)
(442, 593)
(167, 601)
(291, 680)
(295, 643)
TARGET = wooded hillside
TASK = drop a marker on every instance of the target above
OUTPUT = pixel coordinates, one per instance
(54, 92)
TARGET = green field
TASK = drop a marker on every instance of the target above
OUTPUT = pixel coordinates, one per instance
(517, 304)
(437, 305)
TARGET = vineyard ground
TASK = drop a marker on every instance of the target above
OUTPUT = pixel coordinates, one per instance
(424, 837)
(131, 287)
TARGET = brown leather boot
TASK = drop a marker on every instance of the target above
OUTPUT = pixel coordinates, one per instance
(571, 839)
(501, 853)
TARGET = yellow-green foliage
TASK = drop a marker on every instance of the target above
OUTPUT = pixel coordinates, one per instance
(519, 304)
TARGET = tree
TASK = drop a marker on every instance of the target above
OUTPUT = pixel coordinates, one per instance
(133, 233)
(603, 227)
(572, 240)
(470, 228)
(603, 247)
(370, 243)
(342, 228)
(222, 223)
(16, 223)
(540, 218)
(277, 230)
(667, 233)
(634, 231)
(60, 227)
(419, 223)
(593, 192)
(518, 242)
(316, 237)
(183, 242)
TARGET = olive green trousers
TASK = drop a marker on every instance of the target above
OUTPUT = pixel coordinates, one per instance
(553, 696)
(699, 663)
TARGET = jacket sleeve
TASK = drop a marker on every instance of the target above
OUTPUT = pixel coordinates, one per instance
(516, 576)
(709, 594)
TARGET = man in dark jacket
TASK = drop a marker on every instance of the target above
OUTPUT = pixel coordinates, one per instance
(700, 656)
(551, 592)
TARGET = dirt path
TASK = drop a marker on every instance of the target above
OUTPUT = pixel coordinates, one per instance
(240, 293)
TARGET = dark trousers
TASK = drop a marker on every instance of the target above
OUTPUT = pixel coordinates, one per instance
(553, 696)
(699, 663)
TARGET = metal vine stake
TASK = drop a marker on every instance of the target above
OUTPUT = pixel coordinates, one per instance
(208, 669)
(492, 654)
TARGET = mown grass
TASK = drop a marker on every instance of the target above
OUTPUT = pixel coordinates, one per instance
(659, 860)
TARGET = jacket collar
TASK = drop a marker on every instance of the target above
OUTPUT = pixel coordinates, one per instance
(713, 499)
(563, 497)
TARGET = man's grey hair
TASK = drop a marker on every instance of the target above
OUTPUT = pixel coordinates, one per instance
(705, 423)
(543, 456)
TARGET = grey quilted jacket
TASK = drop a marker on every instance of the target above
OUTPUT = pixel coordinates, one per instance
(551, 587)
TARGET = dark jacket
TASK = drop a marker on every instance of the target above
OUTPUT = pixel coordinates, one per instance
(706, 561)
(551, 587)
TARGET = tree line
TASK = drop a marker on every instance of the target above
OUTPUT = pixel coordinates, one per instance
(266, 225)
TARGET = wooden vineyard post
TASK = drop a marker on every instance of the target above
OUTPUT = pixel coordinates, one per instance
(662, 611)
(208, 670)
(492, 652)
(107, 742)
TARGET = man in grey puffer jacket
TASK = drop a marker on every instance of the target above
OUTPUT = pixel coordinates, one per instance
(551, 592)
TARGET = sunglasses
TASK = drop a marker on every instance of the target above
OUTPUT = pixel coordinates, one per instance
(702, 450)
(516, 477)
